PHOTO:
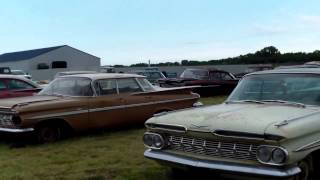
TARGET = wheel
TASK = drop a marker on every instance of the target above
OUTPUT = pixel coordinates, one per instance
(306, 167)
(48, 134)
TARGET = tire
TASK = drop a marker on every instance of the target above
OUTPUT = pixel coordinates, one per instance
(48, 134)
(307, 170)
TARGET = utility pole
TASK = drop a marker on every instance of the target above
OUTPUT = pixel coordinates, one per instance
(149, 64)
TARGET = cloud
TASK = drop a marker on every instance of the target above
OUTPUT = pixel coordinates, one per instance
(310, 21)
(268, 29)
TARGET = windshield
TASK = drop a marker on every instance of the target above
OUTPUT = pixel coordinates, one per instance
(17, 72)
(195, 74)
(299, 88)
(69, 86)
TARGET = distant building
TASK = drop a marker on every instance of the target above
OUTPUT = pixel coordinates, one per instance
(44, 63)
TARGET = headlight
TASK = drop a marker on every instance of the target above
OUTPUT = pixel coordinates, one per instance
(271, 155)
(153, 140)
(264, 154)
(278, 156)
(5, 117)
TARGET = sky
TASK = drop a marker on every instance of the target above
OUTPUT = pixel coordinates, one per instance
(133, 31)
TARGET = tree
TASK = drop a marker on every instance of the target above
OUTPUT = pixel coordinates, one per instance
(268, 52)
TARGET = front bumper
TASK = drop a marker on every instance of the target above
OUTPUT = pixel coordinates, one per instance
(224, 166)
(16, 130)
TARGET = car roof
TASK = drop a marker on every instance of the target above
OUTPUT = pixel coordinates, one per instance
(105, 76)
(77, 72)
(11, 76)
(290, 70)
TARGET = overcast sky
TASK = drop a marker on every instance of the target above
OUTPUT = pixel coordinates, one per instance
(132, 31)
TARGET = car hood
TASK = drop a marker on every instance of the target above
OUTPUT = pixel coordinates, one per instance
(12, 102)
(246, 118)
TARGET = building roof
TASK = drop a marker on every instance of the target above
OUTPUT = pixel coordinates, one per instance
(23, 55)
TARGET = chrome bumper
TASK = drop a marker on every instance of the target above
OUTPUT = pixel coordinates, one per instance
(224, 166)
(12, 130)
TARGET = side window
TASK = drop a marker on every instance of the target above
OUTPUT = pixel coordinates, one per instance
(17, 84)
(2, 85)
(128, 85)
(225, 76)
(105, 87)
(215, 76)
(145, 84)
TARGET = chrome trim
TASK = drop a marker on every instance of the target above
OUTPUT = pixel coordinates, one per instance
(136, 105)
(106, 108)
(155, 134)
(236, 137)
(165, 129)
(308, 146)
(213, 148)
(271, 160)
(224, 166)
(16, 130)
(287, 121)
(60, 114)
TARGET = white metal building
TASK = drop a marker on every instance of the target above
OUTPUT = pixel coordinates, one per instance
(44, 63)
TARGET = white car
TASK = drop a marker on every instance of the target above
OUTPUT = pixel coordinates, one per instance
(21, 73)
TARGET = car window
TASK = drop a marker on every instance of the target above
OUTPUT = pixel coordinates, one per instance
(2, 85)
(128, 85)
(145, 84)
(215, 76)
(17, 84)
(105, 87)
(69, 86)
(225, 76)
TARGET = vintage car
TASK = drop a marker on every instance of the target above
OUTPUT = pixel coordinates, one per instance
(269, 126)
(16, 86)
(209, 81)
(152, 75)
(89, 101)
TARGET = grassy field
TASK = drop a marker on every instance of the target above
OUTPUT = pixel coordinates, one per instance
(105, 155)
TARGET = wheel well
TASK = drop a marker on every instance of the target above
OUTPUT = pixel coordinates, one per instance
(316, 157)
(65, 126)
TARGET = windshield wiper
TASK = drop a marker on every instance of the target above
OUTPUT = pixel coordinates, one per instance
(246, 101)
(286, 103)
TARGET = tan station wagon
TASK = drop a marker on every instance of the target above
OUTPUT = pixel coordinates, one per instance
(269, 126)
(89, 101)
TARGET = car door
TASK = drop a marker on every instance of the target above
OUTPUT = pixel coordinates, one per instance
(107, 108)
(139, 104)
(19, 88)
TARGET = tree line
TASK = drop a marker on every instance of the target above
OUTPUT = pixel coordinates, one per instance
(267, 55)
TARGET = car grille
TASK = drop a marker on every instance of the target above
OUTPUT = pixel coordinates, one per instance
(214, 148)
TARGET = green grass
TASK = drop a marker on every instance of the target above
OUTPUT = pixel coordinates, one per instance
(108, 155)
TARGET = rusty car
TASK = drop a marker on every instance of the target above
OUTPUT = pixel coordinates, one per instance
(84, 102)
(209, 81)
(269, 126)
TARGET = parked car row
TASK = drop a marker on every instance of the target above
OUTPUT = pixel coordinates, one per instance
(268, 127)
(84, 102)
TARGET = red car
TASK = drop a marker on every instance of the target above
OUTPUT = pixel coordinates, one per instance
(17, 86)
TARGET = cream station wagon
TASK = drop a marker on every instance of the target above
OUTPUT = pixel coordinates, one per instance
(269, 126)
